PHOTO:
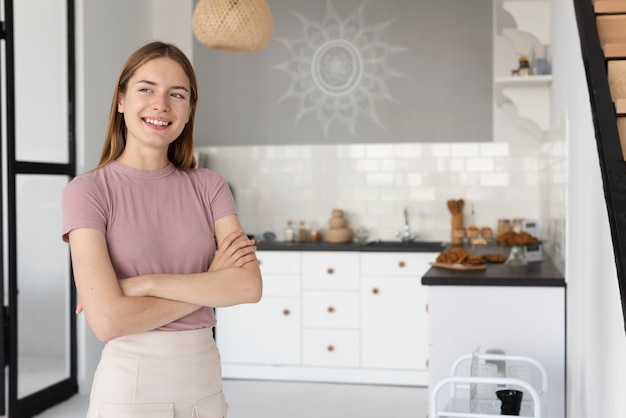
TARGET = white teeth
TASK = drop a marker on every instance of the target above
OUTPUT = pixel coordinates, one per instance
(157, 122)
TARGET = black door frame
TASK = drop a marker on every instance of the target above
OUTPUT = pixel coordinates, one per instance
(49, 396)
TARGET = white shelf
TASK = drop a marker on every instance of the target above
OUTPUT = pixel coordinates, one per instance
(524, 81)
(526, 24)
(527, 99)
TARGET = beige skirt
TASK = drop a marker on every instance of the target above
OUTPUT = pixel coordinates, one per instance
(159, 374)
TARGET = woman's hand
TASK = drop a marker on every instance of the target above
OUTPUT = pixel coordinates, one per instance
(234, 251)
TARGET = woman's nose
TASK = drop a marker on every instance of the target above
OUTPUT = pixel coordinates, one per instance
(160, 102)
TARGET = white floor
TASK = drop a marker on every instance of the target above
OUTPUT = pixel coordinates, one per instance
(262, 399)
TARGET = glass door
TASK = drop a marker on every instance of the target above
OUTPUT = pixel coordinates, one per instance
(38, 161)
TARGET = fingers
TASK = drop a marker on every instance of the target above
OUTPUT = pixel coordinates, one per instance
(235, 251)
(231, 238)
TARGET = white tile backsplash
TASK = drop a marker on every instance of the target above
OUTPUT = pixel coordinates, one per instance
(374, 183)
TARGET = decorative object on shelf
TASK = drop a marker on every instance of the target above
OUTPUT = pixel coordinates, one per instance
(524, 67)
(338, 231)
(541, 66)
(233, 25)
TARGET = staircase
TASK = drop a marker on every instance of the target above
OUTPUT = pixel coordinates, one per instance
(611, 23)
(602, 34)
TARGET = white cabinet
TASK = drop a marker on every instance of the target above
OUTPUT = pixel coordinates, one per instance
(394, 311)
(330, 309)
(337, 316)
(268, 332)
(525, 321)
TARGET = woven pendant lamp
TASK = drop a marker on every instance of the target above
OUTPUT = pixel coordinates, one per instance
(233, 25)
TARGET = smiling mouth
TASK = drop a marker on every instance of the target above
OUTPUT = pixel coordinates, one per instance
(156, 122)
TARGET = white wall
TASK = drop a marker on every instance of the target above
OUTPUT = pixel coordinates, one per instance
(596, 347)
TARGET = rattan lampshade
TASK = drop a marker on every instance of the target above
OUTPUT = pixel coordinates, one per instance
(233, 25)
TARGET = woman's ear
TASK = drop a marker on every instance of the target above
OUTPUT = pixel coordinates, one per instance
(120, 103)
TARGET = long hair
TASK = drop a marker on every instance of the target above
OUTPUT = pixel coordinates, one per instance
(180, 152)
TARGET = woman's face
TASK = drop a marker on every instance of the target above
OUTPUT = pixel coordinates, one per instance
(156, 104)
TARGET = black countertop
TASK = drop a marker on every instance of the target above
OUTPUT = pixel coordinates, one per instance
(542, 273)
(375, 246)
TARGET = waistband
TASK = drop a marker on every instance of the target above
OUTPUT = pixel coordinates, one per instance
(165, 342)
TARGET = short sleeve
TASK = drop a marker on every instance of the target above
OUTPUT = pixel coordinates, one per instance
(83, 206)
(222, 202)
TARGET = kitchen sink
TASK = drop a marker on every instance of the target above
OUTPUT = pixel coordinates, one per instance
(435, 246)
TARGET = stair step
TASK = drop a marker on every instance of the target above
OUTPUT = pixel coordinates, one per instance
(612, 33)
(617, 78)
(612, 51)
(609, 6)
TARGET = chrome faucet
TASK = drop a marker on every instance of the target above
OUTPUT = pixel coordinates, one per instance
(405, 234)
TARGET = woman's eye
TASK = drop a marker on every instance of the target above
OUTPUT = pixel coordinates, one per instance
(144, 89)
(178, 95)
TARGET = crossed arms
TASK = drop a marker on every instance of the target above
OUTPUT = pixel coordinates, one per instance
(114, 308)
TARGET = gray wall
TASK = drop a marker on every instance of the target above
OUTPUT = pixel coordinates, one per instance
(107, 33)
(442, 91)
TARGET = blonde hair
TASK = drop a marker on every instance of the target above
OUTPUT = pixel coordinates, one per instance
(180, 152)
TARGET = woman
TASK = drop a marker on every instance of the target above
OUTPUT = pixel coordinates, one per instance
(143, 228)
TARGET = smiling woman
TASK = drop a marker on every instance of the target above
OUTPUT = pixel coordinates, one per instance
(143, 229)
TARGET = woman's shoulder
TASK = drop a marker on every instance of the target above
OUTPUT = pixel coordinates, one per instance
(204, 175)
(90, 180)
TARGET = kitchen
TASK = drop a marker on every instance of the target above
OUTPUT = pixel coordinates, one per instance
(515, 170)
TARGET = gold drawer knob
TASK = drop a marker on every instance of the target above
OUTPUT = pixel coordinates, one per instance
(286, 312)
(331, 309)
(401, 264)
(330, 270)
(375, 291)
(330, 348)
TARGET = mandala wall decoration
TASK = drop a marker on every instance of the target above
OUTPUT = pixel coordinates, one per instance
(339, 69)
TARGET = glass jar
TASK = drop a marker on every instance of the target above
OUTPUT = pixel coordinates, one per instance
(504, 226)
(303, 233)
(315, 234)
(290, 234)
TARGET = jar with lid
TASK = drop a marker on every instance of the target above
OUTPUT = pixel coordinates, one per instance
(504, 226)
(517, 226)
(290, 233)
(315, 235)
(303, 233)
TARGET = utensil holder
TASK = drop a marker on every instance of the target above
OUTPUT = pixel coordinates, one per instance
(457, 223)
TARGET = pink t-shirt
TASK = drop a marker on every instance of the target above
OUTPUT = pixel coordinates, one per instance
(155, 221)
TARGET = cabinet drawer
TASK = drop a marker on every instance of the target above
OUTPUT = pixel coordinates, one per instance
(281, 285)
(267, 332)
(330, 309)
(279, 262)
(332, 348)
(330, 270)
(396, 264)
